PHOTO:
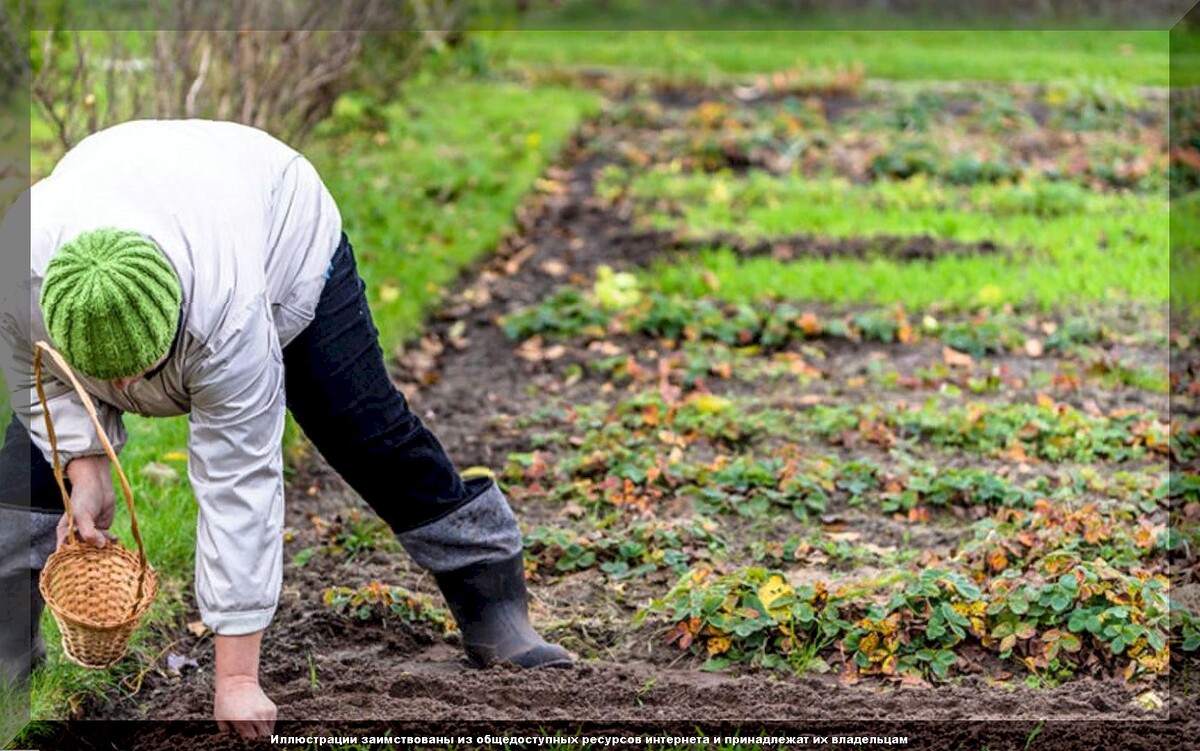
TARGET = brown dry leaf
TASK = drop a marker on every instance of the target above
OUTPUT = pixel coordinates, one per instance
(574, 510)
(956, 359)
(710, 280)
(553, 267)
(531, 350)
(513, 264)
(844, 536)
(552, 187)
(606, 349)
(1033, 347)
(810, 324)
(477, 296)
(197, 628)
(457, 335)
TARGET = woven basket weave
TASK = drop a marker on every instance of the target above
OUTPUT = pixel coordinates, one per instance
(98, 595)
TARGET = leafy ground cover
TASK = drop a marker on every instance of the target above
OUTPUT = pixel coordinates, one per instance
(772, 507)
(1134, 56)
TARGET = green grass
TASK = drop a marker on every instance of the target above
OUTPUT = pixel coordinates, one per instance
(438, 188)
(435, 197)
(1053, 231)
(167, 518)
(1140, 57)
(1185, 254)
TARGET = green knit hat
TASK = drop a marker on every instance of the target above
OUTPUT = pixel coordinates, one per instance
(111, 301)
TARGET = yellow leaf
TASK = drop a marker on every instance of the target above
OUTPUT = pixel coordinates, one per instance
(175, 456)
(719, 645)
(709, 404)
(472, 472)
(990, 294)
(772, 591)
(389, 292)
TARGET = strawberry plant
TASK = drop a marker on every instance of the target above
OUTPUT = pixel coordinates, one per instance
(353, 533)
(1067, 612)
(916, 630)
(753, 616)
(639, 550)
(377, 601)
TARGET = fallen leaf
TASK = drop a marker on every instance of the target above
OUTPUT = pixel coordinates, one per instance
(771, 591)
(477, 471)
(389, 292)
(197, 628)
(605, 348)
(1033, 347)
(457, 335)
(1148, 700)
(956, 359)
(554, 267)
(719, 645)
(810, 324)
(175, 456)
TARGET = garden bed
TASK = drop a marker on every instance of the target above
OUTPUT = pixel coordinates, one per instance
(756, 508)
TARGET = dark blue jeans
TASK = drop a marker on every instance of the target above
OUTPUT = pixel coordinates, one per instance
(340, 393)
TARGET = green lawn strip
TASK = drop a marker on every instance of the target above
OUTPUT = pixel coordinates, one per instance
(712, 56)
(1068, 246)
(465, 139)
(167, 518)
(1185, 255)
(427, 184)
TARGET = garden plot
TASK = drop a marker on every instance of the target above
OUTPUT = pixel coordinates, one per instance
(830, 440)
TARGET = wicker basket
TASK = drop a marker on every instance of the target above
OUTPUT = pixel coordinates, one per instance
(97, 595)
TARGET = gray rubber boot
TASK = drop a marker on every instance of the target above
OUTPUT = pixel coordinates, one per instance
(476, 555)
(491, 605)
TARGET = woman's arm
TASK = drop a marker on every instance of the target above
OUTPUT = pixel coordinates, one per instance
(236, 470)
(240, 703)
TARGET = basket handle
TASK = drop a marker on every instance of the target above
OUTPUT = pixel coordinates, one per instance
(40, 347)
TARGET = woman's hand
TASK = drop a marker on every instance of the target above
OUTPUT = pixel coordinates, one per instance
(92, 500)
(240, 704)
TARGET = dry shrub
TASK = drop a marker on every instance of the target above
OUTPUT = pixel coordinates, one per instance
(276, 66)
